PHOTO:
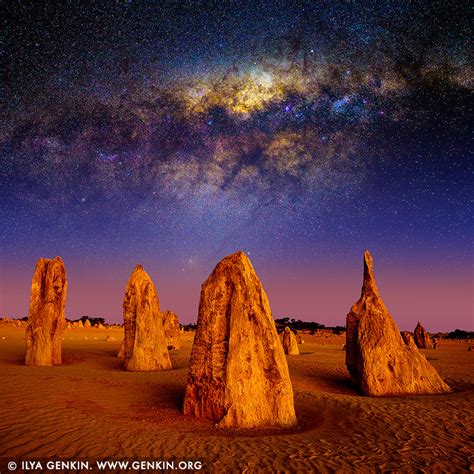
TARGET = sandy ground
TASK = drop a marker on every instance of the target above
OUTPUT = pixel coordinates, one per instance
(89, 408)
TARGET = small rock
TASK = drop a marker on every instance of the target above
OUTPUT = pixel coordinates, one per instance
(172, 331)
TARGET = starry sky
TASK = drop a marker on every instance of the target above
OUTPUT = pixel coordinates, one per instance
(173, 133)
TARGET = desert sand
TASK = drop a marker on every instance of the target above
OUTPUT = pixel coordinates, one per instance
(90, 409)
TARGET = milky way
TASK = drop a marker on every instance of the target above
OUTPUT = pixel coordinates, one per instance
(177, 133)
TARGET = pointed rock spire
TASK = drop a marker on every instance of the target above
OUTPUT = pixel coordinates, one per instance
(422, 338)
(238, 374)
(378, 360)
(145, 342)
(370, 285)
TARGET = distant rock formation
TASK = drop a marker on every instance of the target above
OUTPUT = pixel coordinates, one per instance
(172, 330)
(378, 360)
(299, 339)
(145, 341)
(408, 338)
(238, 374)
(46, 322)
(110, 339)
(87, 324)
(422, 338)
(290, 345)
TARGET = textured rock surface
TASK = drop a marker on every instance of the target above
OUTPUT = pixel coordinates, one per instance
(422, 338)
(378, 360)
(172, 330)
(121, 351)
(87, 324)
(46, 322)
(289, 342)
(238, 375)
(408, 338)
(145, 342)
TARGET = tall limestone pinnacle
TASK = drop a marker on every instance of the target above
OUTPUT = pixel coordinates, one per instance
(378, 360)
(46, 322)
(238, 375)
(145, 345)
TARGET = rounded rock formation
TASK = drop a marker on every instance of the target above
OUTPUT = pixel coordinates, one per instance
(172, 330)
(87, 324)
(378, 360)
(46, 322)
(289, 342)
(238, 375)
(145, 342)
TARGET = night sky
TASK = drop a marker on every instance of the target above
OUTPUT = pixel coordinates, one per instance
(174, 133)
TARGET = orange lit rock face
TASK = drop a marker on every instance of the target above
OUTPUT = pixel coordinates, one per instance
(145, 343)
(289, 342)
(121, 351)
(46, 322)
(172, 330)
(238, 375)
(378, 360)
(408, 338)
(422, 338)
